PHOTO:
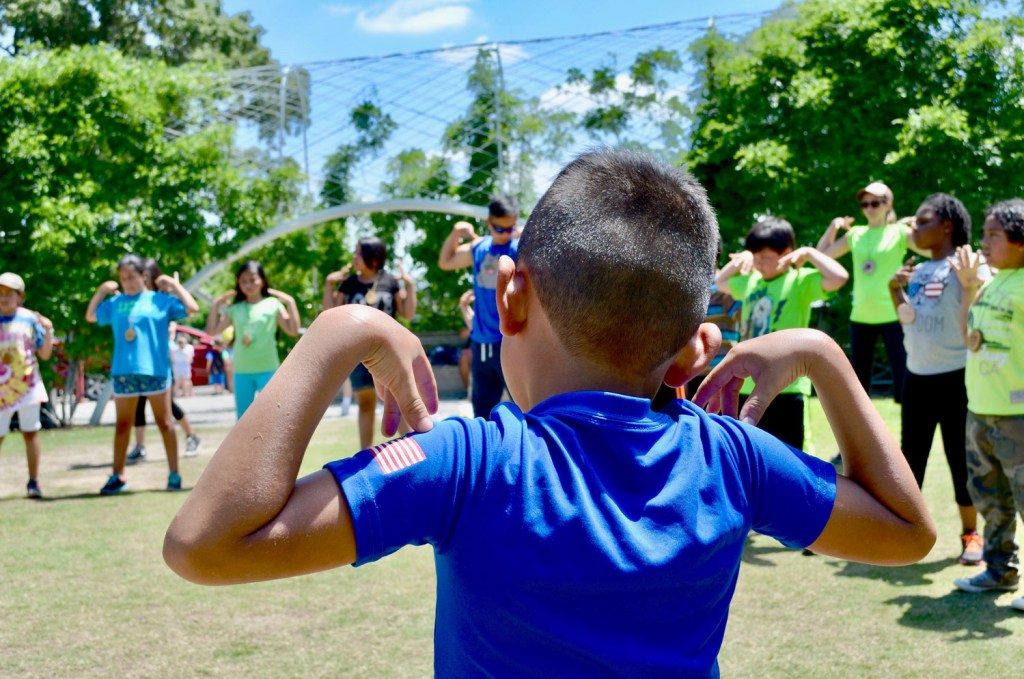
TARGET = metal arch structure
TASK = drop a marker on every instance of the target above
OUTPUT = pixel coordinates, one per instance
(337, 212)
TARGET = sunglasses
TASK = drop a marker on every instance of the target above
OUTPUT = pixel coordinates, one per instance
(503, 229)
(865, 204)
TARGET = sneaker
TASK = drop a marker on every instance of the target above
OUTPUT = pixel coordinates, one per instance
(174, 481)
(32, 489)
(1018, 603)
(973, 548)
(987, 581)
(191, 445)
(137, 455)
(115, 484)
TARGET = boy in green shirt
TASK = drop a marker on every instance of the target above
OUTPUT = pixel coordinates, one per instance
(994, 332)
(777, 292)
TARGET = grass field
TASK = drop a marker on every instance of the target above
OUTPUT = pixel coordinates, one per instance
(84, 592)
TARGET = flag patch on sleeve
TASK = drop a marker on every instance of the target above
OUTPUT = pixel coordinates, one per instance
(398, 454)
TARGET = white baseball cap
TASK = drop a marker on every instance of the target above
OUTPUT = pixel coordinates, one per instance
(12, 281)
(876, 189)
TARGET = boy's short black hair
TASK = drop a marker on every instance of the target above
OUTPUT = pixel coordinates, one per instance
(503, 206)
(774, 233)
(621, 250)
(1009, 213)
(946, 207)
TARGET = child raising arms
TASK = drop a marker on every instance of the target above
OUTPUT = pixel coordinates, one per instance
(928, 299)
(576, 530)
(777, 291)
(995, 393)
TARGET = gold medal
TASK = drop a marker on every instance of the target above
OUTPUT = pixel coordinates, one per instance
(975, 340)
(246, 339)
(130, 334)
(906, 314)
(371, 297)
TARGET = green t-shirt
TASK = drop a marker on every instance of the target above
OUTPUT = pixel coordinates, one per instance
(779, 304)
(877, 254)
(258, 323)
(995, 373)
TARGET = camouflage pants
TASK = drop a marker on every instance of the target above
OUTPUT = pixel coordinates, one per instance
(995, 479)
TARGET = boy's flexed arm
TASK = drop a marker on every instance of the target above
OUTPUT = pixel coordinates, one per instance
(247, 518)
(833, 274)
(879, 514)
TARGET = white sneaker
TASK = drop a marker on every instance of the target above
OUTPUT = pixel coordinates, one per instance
(1018, 603)
(191, 445)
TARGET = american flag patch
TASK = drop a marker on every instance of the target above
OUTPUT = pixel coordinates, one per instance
(398, 454)
(933, 290)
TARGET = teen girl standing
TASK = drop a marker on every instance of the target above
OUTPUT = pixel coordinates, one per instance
(256, 312)
(139, 318)
(371, 285)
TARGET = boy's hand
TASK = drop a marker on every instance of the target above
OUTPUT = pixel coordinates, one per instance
(464, 231)
(109, 287)
(744, 261)
(44, 321)
(797, 258)
(774, 361)
(401, 373)
(843, 223)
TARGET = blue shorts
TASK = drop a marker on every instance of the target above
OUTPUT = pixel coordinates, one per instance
(361, 378)
(218, 378)
(138, 385)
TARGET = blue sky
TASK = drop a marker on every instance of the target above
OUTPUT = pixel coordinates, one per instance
(300, 31)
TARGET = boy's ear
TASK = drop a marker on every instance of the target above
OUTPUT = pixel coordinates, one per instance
(512, 297)
(695, 357)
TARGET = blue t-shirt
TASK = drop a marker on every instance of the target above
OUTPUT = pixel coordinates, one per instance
(147, 315)
(588, 536)
(485, 285)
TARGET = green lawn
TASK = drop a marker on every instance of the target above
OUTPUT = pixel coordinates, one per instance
(84, 592)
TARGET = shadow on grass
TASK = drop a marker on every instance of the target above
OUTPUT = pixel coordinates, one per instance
(961, 615)
(91, 496)
(902, 576)
(755, 551)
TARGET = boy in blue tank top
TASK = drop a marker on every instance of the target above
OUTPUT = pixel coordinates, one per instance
(464, 248)
(576, 532)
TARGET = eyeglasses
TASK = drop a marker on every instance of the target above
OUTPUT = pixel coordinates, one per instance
(865, 204)
(501, 229)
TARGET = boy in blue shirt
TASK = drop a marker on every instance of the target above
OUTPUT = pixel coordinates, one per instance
(577, 532)
(463, 248)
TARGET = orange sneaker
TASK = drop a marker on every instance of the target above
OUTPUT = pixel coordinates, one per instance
(973, 548)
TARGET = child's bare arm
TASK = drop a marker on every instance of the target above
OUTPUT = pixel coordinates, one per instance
(247, 518)
(833, 274)
(879, 514)
(45, 350)
(104, 289)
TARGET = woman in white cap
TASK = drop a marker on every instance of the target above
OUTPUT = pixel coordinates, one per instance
(878, 250)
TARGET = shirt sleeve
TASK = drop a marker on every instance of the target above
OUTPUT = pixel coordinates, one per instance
(408, 491)
(104, 312)
(38, 332)
(175, 308)
(738, 286)
(812, 283)
(790, 494)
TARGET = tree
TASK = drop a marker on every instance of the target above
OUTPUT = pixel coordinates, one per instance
(101, 155)
(827, 96)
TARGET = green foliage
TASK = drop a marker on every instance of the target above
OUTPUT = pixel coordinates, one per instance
(101, 155)
(827, 96)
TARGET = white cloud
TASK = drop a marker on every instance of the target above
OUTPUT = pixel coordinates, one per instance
(415, 16)
(464, 56)
(340, 10)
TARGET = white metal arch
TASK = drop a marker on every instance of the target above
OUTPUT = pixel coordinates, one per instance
(346, 210)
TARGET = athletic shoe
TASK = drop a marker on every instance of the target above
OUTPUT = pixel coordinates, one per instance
(1018, 603)
(987, 581)
(973, 548)
(32, 489)
(137, 455)
(115, 484)
(174, 481)
(191, 445)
